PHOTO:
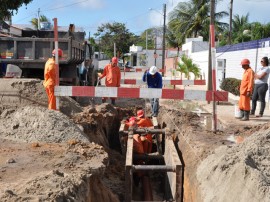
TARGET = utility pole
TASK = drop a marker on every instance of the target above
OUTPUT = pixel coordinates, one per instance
(38, 27)
(155, 49)
(213, 61)
(163, 42)
(230, 26)
(114, 49)
(146, 44)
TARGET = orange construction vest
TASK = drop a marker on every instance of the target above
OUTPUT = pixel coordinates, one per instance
(113, 76)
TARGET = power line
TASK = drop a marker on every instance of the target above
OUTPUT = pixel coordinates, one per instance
(68, 5)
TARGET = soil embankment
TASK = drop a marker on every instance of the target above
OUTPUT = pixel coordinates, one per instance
(74, 154)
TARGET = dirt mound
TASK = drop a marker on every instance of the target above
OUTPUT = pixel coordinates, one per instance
(31, 92)
(60, 163)
(52, 172)
(38, 124)
(101, 124)
(238, 173)
(22, 92)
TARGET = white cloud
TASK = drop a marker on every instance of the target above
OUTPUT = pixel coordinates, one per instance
(156, 15)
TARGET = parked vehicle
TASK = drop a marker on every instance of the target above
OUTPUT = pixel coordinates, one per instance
(31, 53)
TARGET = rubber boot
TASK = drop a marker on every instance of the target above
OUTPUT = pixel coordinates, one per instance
(246, 116)
(113, 101)
(241, 114)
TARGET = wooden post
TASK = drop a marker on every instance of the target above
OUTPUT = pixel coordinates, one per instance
(128, 168)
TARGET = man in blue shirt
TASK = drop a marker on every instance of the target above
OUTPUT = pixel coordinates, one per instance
(154, 80)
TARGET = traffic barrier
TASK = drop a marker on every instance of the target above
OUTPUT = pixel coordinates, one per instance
(165, 82)
(140, 70)
(119, 92)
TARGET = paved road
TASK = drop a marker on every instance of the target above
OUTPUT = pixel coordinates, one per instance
(225, 111)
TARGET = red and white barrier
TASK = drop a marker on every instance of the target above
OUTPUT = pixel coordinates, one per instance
(90, 91)
(165, 82)
(139, 70)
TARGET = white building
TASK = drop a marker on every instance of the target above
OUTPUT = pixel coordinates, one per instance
(228, 57)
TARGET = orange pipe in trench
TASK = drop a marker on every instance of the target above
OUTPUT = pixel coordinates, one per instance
(147, 189)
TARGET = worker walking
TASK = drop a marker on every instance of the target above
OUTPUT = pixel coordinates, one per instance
(50, 79)
(154, 80)
(246, 88)
(113, 76)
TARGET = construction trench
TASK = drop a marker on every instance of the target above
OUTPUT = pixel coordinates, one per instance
(76, 154)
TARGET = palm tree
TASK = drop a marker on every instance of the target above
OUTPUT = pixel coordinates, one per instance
(188, 67)
(239, 25)
(182, 69)
(192, 19)
(42, 18)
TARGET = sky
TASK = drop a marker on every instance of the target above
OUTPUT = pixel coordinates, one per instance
(135, 14)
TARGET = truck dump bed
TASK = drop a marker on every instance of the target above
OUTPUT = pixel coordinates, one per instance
(27, 50)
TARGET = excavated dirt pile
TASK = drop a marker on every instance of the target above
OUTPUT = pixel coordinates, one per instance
(74, 155)
(47, 157)
(216, 169)
(38, 124)
(238, 173)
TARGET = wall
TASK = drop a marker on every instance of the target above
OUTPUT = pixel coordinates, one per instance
(233, 54)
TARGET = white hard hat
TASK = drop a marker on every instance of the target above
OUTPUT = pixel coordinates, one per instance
(153, 70)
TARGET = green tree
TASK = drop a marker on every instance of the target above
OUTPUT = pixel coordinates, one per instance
(42, 18)
(151, 34)
(192, 19)
(182, 69)
(187, 66)
(240, 27)
(8, 7)
(117, 33)
(259, 31)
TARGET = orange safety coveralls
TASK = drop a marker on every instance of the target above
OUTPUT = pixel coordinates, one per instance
(137, 143)
(246, 85)
(49, 82)
(113, 76)
(147, 144)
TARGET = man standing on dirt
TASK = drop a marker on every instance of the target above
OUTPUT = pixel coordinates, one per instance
(113, 76)
(50, 79)
(154, 80)
(246, 88)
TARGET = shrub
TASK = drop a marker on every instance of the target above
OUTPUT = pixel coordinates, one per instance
(231, 85)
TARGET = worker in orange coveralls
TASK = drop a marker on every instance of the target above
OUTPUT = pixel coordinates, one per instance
(137, 143)
(113, 76)
(246, 88)
(143, 121)
(50, 79)
(140, 147)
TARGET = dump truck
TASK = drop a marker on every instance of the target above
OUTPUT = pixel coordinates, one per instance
(30, 54)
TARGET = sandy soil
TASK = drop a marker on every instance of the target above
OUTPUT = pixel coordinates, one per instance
(74, 154)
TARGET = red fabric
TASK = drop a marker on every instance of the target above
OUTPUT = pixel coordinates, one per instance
(137, 144)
